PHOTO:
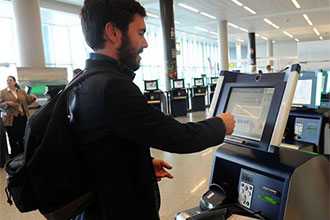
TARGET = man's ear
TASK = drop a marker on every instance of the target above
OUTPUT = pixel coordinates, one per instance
(112, 33)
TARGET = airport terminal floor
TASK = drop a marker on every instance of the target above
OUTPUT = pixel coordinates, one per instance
(191, 175)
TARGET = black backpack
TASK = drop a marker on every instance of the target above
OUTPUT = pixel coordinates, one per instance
(48, 175)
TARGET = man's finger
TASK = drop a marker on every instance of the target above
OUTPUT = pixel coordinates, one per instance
(168, 175)
(166, 165)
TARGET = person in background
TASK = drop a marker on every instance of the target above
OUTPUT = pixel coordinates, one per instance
(76, 71)
(269, 68)
(14, 103)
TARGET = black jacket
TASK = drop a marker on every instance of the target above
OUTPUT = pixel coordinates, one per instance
(116, 127)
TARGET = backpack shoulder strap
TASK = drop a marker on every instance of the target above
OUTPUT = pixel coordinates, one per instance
(84, 75)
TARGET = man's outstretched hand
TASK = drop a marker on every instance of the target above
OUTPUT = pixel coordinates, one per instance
(160, 172)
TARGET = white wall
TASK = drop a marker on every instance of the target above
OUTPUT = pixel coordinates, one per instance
(285, 49)
(314, 54)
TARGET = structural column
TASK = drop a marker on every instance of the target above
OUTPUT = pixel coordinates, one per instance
(252, 52)
(29, 36)
(223, 44)
(238, 53)
(270, 52)
(167, 19)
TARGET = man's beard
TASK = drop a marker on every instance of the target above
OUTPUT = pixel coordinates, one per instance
(127, 54)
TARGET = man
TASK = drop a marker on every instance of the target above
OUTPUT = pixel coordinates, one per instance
(115, 125)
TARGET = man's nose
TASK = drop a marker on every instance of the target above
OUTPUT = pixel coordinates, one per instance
(145, 43)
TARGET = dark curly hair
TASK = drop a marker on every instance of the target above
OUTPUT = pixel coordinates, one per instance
(95, 14)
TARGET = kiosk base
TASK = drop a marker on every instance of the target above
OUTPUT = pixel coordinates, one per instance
(198, 103)
(179, 107)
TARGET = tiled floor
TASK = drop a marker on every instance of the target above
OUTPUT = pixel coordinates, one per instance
(191, 175)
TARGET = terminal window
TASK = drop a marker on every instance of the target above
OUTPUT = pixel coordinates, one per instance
(250, 107)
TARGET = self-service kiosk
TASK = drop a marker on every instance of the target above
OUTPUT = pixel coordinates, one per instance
(212, 85)
(178, 98)
(251, 176)
(152, 93)
(198, 94)
(308, 120)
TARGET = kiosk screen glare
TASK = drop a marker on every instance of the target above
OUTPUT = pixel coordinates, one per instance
(178, 84)
(151, 85)
(250, 107)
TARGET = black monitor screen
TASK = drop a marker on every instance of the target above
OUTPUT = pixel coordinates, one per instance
(199, 82)
(151, 85)
(178, 84)
(250, 107)
(214, 81)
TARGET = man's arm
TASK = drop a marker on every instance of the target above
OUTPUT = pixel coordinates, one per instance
(131, 117)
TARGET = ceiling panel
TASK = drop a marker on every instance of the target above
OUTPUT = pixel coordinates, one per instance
(281, 12)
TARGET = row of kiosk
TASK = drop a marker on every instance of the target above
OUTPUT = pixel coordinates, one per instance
(180, 99)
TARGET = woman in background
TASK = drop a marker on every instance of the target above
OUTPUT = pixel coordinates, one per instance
(14, 102)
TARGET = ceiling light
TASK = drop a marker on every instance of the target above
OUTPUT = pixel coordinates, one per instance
(286, 33)
(265, 38)
(273, 42)
(188, 7)
(208, 15)
(240, 40)
(307, 19)
(249, 10)
(237, 2)
(212, 32)
(176, 22)
(295, 3)
(257, 35)
(275, 26)
(232, 25)
(201, 29)
(296, 39)
(321, 38)
(316, 32)
(242, 29)
(271, 23)
(152, 15)
(268, 21)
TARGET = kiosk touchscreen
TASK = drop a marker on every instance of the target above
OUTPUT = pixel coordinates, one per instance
(326, 82)
(151, 85)
(309, 90)
(178, 83)
(198, 82)
(214, 80)
(251, 175)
